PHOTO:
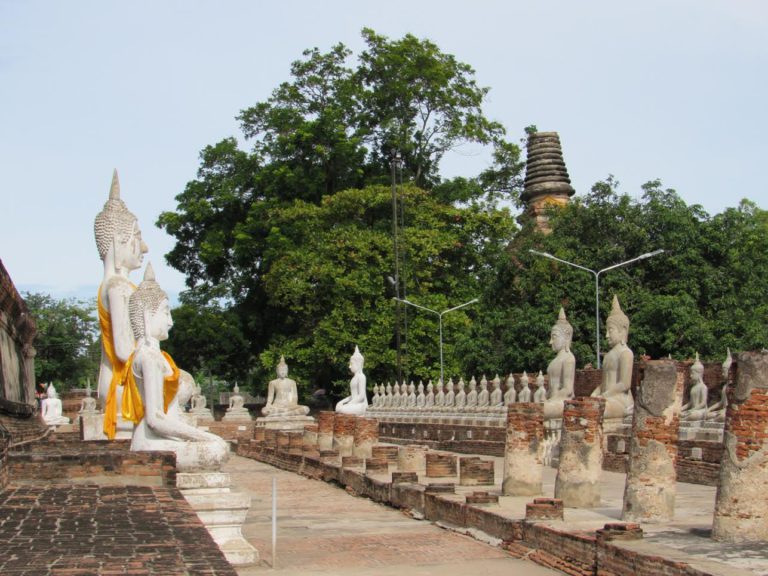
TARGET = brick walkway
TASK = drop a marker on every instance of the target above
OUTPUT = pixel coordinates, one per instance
(84, 530)
(324, 530)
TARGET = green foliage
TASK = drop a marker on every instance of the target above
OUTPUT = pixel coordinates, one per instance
(706, 292)
(67, 340)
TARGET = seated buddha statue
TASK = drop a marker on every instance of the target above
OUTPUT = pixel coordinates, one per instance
(357, 401)
(617, 366)
(562, 368)
(282, 395)
(696, 407)
(52, 409)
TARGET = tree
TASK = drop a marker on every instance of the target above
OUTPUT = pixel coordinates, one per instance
(66, 341)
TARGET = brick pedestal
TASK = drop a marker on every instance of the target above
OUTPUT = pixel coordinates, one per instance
(649, 493)
(376, 466)
(258, 434)
(412, 458)
(523, 466)
(366, 436)
(325, 421)
(309, 440)
(741, 506)
(270, 437)
(440, 465)
(581, 453)
(544, 509)
(283, 441)
(388, 452)
(344, 433)
(476, 472)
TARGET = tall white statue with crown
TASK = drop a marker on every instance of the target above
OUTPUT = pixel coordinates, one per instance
(357, 401)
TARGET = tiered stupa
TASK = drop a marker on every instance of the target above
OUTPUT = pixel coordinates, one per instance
(546, 178)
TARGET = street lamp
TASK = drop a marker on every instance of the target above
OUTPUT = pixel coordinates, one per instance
(440, 318)
(597, 283)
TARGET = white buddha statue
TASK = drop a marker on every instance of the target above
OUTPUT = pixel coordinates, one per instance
(449, 403)
(429, 400)
(617, 366)
(497, 398)
(121, 249)
(540, 395)
(696, 407)
(716, 412)
(510, 396)
(357, 401)
(411, 399)
(472, 394)
(421, 399)
(51, 410)
(525, 394)
(282, 395)
(440, 395)
(484, 397)
(88, 404)
(376, 398)
(562, 368)
(236, 409)
(152, 395)
(388, 397)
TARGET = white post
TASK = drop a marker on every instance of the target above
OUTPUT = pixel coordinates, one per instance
(274, 522)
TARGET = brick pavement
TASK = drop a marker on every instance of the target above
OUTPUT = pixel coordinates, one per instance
(84, 530)
(324, 530)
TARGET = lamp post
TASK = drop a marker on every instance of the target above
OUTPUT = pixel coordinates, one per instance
(596, 274)
(440, 319)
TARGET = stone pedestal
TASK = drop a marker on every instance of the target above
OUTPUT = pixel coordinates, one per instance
(475, 471)
(284, 422)
(741, 506)
(523, 466)
(325, 422)
(344, 433)
(365, 436)
(202, 416)
(581, 453)
(309, 439)
(649, 493)
(222, 511)
(237, 415)
(389, 452)
(92, 426)
(440, 465)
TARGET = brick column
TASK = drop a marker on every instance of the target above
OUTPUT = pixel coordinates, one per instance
(325, 422)
(523, 466)
(365, 436)
(310, 437)
(389, 452)
(412, 458)
(475, 471)
(581, 453)
(440, 465)
(344, 433)
(741, 506)
(649, 492)
(258, 434)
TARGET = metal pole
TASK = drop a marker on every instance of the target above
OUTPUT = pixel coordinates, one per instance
(397, 269)
(597, 317)
(440, 318)
(274, 521)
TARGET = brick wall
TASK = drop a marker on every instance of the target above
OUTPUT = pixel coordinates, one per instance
(232, 431)
(5, 440)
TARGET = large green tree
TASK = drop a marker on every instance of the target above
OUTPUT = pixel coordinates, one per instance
(66, 341)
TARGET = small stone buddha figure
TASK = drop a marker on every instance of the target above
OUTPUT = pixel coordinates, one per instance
(151, 399)
(421, 399)
(510, 396)
(540, 395)
(497, 398)
(282, 395)
(716, 412)
(88, 404)
(696, 407)
(236, 409)
(199, 404)
(525, 394)
(357, 401)
(484, 397)
(450, 396)
(460, 400)
(617, 366)
(121, 249)
(429, 400)
(440, 396)
(52, 409)
(388, 397)
(411, 400)
(562, 368)
(396, 396)
(472, 395)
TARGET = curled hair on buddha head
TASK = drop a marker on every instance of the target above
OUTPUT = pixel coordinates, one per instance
(562, 325)
(114, 219)
(147, 297)
(617, 317)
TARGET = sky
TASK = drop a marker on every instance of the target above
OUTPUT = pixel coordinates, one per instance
(641, 89)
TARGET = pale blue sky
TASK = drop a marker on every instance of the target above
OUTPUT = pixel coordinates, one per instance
(670, 89)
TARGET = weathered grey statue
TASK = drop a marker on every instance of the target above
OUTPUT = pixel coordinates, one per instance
(460, 401)
(411, 395)
(450, 396)
(388, 396)
(484, 397)
(617, 366)
(282, 395)
(429, 401)
(540, 395)
(421, 400)
(562, 368)
(510, 396)
(497, 398)
(696, 407)
(396, 398)
(440, 396)
(716, 412)
(525, 394)
(472, 394)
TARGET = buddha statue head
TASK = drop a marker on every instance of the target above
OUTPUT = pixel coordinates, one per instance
(356, 362)
(118, 238)
(149, 309)
(51, 391)
(617, 324)
(697, 370)
(282, 368)
(562, 333)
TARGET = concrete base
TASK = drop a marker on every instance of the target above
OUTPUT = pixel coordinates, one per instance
(239, 416)
(223, 512)
(284, 422)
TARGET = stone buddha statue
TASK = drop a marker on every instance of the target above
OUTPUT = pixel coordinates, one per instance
(540, 395)
(525, 394)
(237, 409)
(510, 396)
(396, 396)
(429, 400)
(562, 368)
(357, 401)
(696, 407)
(617, 366)
(460, 401)
(282, 395)
(440, 396)
(376, 400)
(411, 399)
(472, 395)
(421, 399)
(388, 397)
(484, 397)
(152, 395)
(88, 404)
(449, 404)
(716, 412)
(121, 249)
(52, 412)
(497, 398)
